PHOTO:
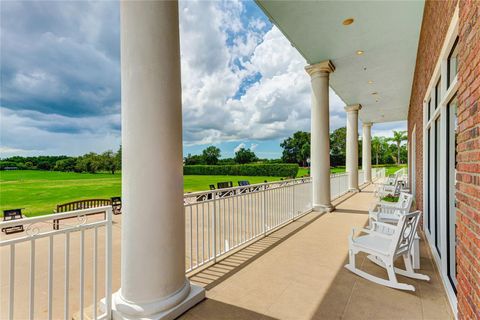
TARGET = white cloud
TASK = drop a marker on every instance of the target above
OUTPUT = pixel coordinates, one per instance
(212, 72)
(240, 146)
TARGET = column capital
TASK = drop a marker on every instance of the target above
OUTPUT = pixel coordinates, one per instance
(367, 124)
(353, 107)
(321, 67)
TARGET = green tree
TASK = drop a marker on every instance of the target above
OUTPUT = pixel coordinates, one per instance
(211, 155)
(89, 162)
(194, 159)
(296, 149)
(398, 138)
(108, 161)
(118, 158)
(65, 165)
(243, 156)
(338, 146)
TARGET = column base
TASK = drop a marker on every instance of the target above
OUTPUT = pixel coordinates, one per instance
(323, 208)
(195, 295)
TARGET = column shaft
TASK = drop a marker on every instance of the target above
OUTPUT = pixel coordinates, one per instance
(320, 136)
(352, 146)
(153, 222)
(367, 151)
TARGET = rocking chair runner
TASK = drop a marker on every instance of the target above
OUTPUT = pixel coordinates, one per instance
(384, 249)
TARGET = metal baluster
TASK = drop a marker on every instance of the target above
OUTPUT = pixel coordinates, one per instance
(108, 264)
(95, 254)
(32, 278)
(67, 274)
(214, 227)
(50, 276)
(82, 272)
(12, 282)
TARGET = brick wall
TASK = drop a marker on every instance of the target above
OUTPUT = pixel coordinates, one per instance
(436, 19)
(468, 165)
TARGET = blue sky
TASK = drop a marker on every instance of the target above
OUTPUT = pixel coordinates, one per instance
(242, 82)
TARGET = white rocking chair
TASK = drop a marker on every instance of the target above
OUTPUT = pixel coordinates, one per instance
(391, 211)
(384, 249)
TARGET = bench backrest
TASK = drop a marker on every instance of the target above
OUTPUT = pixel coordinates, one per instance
(405, 233)
(116, 205)
(12, 214)
(225, 184)
(83, 204)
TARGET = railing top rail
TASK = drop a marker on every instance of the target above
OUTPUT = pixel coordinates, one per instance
(273, 183)
(48, 217)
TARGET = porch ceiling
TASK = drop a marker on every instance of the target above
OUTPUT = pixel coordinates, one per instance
(387, 32)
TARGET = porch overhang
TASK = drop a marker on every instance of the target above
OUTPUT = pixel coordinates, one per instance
(374, 56)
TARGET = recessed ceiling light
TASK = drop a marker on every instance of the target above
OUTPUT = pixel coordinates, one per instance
(359, 52)
(370, 81)
(348, 21)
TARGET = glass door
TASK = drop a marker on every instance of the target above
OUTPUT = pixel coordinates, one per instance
(451, 155)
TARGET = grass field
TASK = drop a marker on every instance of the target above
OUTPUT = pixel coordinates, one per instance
(38, 192)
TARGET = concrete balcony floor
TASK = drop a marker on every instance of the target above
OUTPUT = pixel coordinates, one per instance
(294, 273)
(297, 273)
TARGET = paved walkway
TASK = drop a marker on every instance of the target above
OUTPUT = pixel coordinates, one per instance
(298, 273)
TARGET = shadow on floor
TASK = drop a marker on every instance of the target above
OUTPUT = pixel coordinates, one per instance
(222, 270)
(352, 297)
(210, 309)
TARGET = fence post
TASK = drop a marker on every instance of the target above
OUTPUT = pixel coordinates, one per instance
(265, 210)
(214, 197)
(108, 265)
(293, 200)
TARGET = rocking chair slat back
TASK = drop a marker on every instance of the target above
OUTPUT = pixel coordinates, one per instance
(405, 233)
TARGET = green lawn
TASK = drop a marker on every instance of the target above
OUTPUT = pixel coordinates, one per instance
(38, 192)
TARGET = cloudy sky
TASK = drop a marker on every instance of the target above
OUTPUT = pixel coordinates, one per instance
(243, 84)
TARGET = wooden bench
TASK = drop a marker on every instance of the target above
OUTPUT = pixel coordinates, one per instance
(13, 214)
(79, 205)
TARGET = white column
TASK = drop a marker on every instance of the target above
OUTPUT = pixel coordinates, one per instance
(352, 146)
(367, 151)
(153, 282)
(320, 135)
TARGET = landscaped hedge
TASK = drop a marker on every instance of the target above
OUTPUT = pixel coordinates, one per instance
(274, 170)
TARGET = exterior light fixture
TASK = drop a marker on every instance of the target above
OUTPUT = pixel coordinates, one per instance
(348, 21)
(374, 93)
(359, 52)
(370, 81)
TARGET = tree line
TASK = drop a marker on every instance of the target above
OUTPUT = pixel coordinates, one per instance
(296, 149)
(91, 162)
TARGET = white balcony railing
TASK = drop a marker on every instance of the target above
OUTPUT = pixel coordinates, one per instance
(220, 221)
(42, 249)
(79, 255)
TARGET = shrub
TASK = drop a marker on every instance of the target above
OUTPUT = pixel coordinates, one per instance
(274, 170)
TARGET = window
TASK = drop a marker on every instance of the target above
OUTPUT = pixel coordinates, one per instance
(437, 186)
(452, 63)
(429, 175)
(429, 107)
(437, 94)
(439, 160)
(451, 162)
